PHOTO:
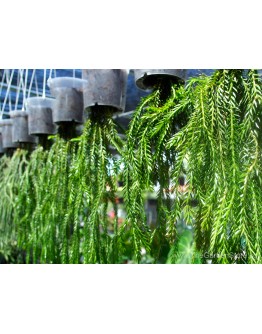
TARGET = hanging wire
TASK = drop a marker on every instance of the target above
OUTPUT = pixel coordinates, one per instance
(24, 85)
(9, 81)
(21, 73)
(50, 74)
(2, 83)
(44, 83)
(36, 85)
(9, 95)
(31, 84)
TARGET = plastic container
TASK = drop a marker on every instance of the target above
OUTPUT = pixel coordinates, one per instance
(2, 150)
(7, 139)
(20, 127)
(68, 105)
(40, 118)
(105, 88)
(148, 79)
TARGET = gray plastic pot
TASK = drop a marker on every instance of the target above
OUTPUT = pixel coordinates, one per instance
(2, 150)
(20, 127)
(7, 139)
(40, 119)
(148, 79)
(68, 106)
(105, 88)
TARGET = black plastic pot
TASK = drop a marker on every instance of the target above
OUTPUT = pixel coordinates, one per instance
(68, 106)
(20, 127)
(148, 79)
(7, 139)
(105, 88)
(40, 119)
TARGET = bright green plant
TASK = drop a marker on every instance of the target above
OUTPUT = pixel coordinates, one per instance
(220, 149)
(209, 133)
(93, 186)
(62, 207)
(149, 164)
(11, 171)
(42, 203)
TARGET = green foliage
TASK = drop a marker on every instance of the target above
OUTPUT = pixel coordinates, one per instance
(93, 186)
(62, 205)
(220, 149)
(41, 203)
(148, 164)
(11, 171)
(54, 204)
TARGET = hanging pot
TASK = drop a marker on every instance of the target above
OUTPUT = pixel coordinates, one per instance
(148, 79)
(20, 127)
(2, 150)
(133, 94)
(40, 119)
(7, 140)
(68, 105)
(105, 88)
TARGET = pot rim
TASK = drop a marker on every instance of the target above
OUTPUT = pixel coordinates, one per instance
(38, 101)
(6, 121)
(66, 82)
(18, 113)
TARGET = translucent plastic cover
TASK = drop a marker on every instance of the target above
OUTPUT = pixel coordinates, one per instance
(39, 102)
(66, 82)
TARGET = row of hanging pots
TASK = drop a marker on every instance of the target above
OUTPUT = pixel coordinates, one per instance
(98, 87)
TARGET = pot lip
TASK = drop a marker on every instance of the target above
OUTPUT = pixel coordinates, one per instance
(68, 120)
(6, 121)
(38, 101)
(93, 104)
(66, 82)
(18, 113)
(154, 73)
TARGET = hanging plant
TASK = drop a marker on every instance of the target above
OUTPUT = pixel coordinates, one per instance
(148, 165)
(72, 187)
(93, 189)
(42, 202)
(11, 172)
(220, 149)
(65, 217)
